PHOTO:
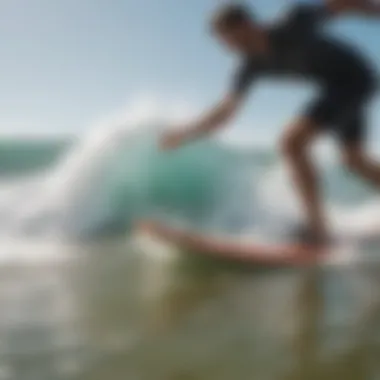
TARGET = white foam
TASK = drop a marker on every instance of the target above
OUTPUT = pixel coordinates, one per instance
(53, 199)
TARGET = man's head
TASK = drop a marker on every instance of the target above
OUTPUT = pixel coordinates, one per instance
(235, 26)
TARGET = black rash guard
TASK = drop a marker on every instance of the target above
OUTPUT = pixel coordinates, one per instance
(299, 49)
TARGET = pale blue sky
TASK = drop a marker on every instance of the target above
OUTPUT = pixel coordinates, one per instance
(66, 63)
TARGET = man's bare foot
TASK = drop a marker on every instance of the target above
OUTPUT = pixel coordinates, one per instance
(307, 236)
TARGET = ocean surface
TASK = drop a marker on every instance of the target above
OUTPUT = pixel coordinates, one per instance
(80, 300)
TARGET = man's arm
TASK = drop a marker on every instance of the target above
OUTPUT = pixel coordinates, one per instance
(213, 120)
(216, 118)
(220, 114)
(308, 17)
(363, 7)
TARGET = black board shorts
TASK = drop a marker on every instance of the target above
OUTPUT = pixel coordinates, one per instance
(342, 111)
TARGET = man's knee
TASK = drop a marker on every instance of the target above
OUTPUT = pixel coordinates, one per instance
(290, 146)
(296, 140)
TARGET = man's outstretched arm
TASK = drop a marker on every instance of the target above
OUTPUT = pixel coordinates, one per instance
(211, 121)
(361, 7)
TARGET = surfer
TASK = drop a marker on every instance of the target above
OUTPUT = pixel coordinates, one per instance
(296, 47)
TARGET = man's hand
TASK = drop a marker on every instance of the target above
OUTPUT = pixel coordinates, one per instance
(365, 7)
(210, 122)
(173, 139)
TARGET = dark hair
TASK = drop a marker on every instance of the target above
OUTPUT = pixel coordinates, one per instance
(231, 15)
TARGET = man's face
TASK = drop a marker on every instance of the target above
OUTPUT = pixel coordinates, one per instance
(238, 39)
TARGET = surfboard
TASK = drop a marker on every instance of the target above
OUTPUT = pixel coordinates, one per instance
(223, 247)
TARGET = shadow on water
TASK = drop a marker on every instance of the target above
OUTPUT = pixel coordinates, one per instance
(107, 313)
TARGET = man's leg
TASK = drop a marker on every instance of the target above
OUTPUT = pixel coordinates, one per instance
(296, 144)
(355, 156)
(357, 160)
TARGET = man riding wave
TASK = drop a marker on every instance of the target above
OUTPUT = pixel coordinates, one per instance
(297, 48)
